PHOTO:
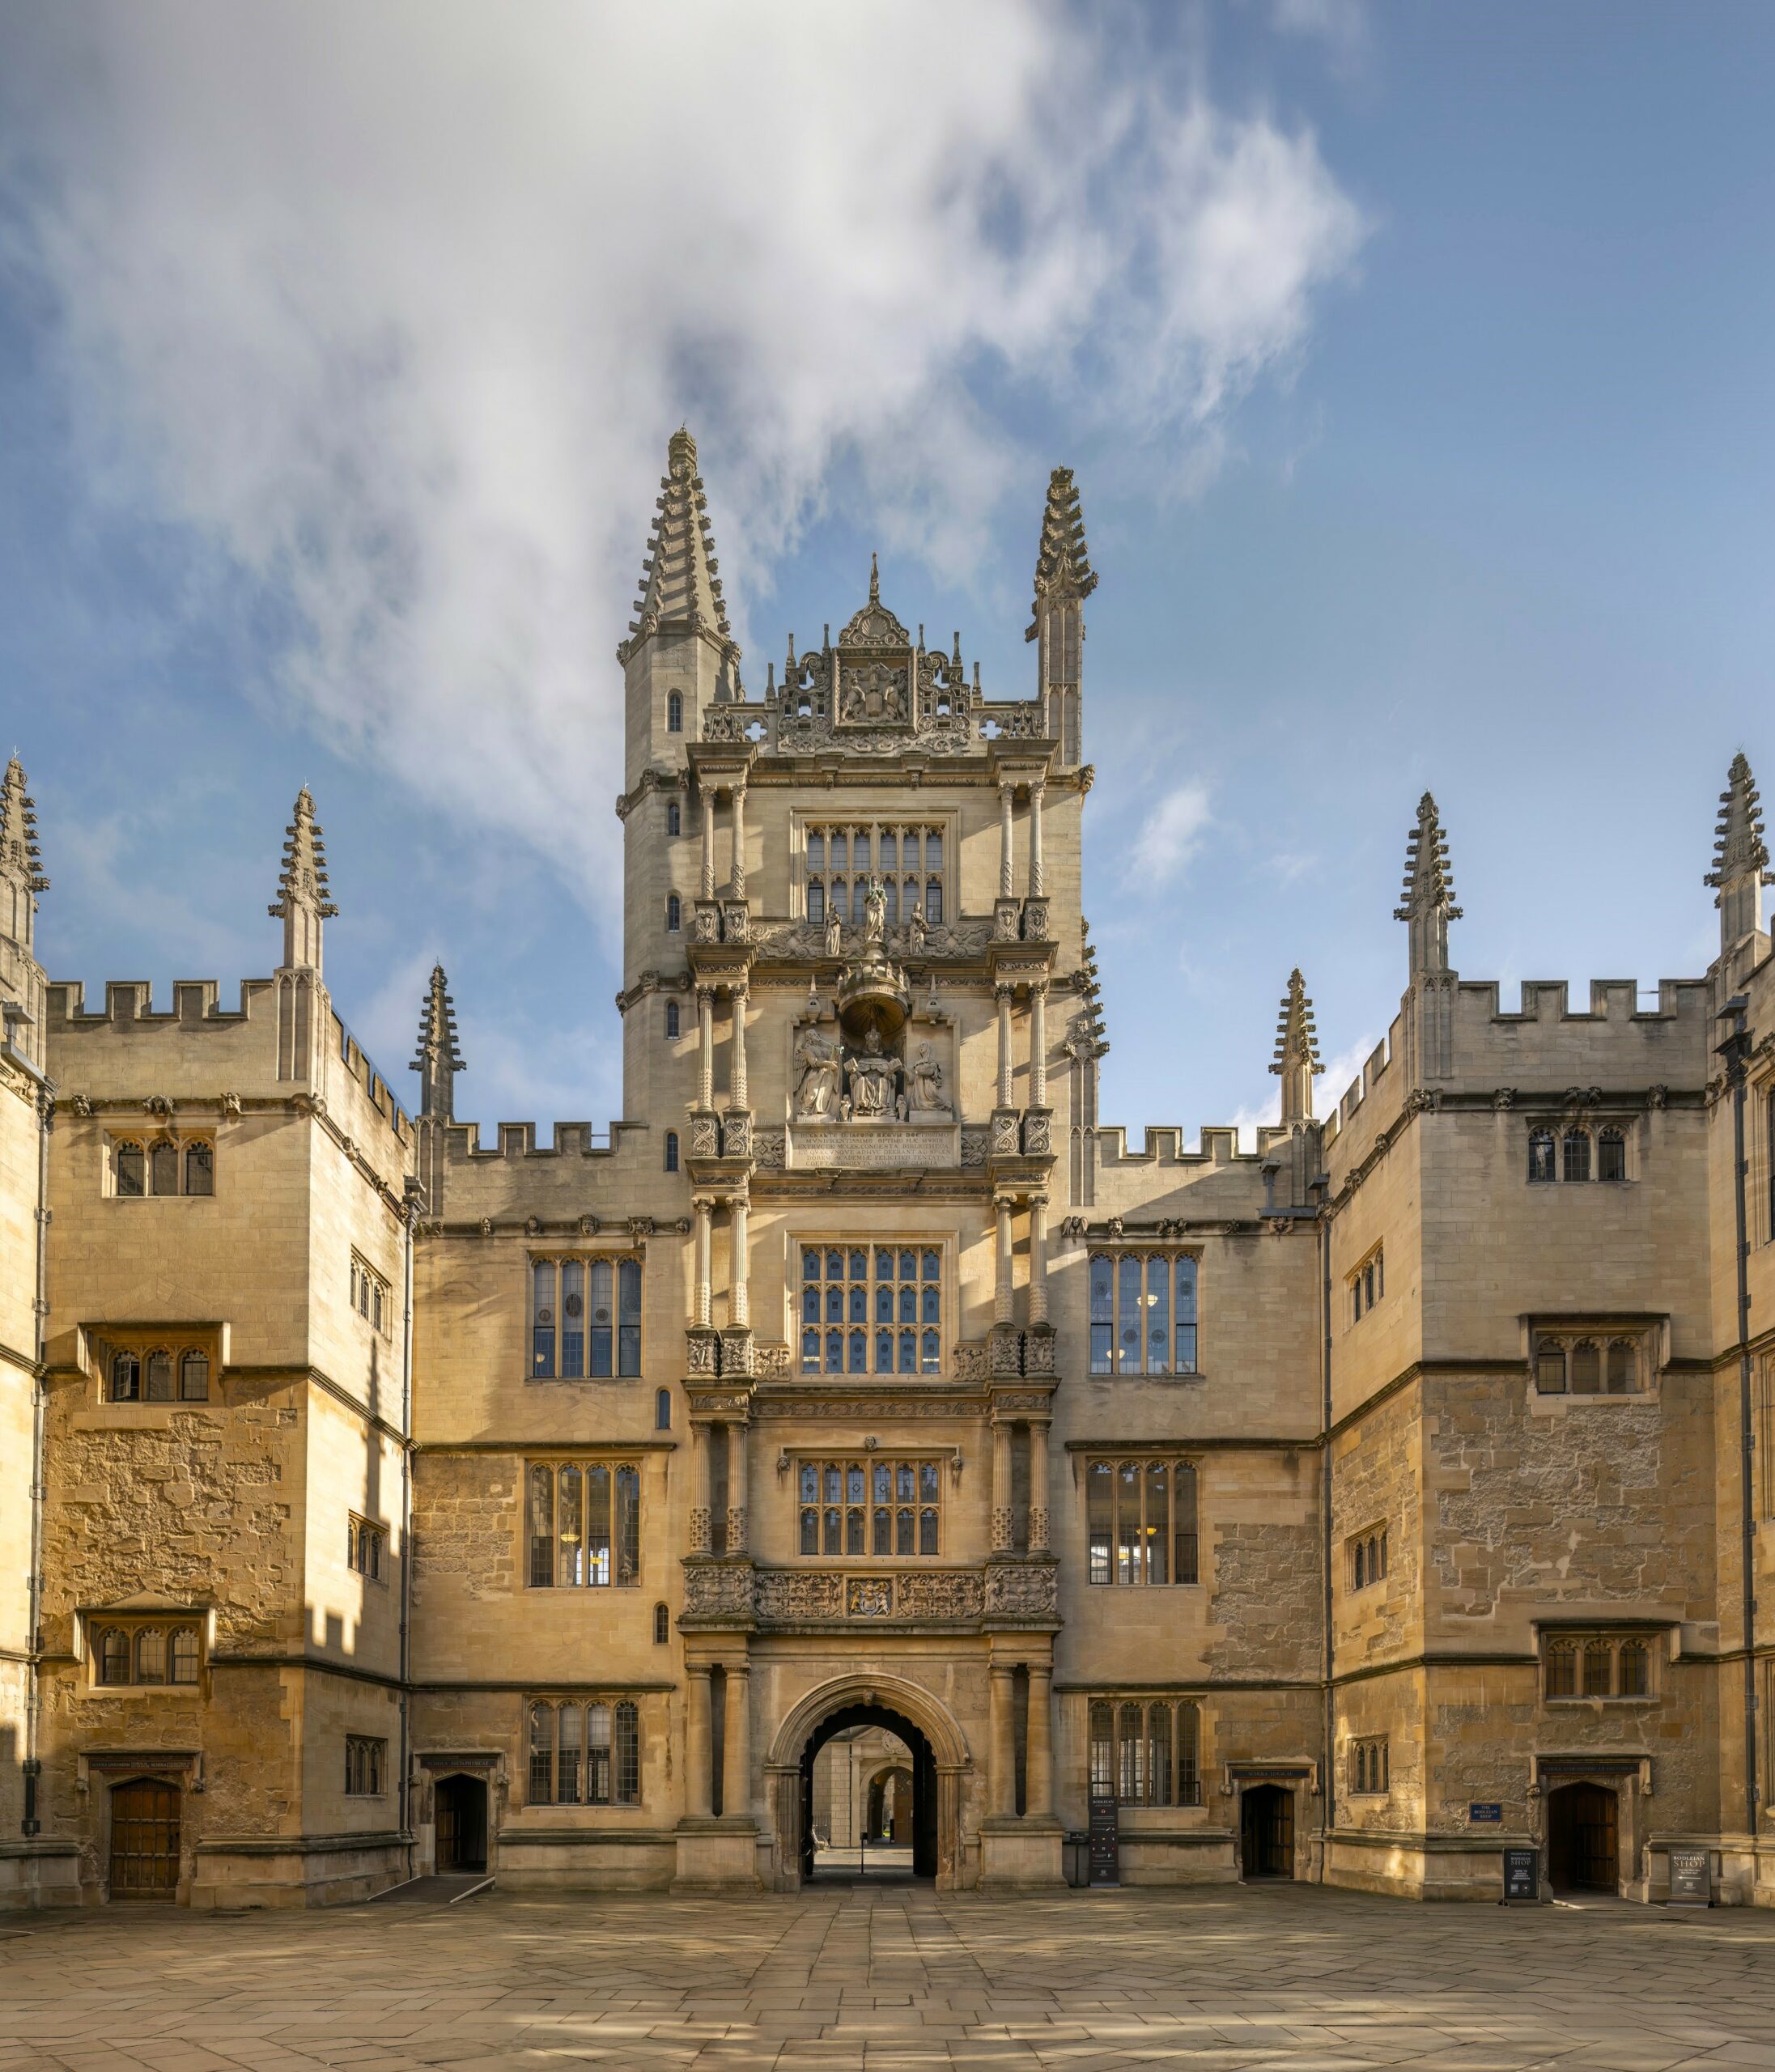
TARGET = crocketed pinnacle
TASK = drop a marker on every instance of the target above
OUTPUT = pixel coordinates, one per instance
(1090, 1022)
(1297, 1060)
(1063, 565)
(302, 903)
(439, 1060)
(679, 583)
(20, 863)
(1740, 856)
(1428, 899)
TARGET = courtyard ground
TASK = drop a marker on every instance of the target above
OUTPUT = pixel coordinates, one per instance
(886, 1977)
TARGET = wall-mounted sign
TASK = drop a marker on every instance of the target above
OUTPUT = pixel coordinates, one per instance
(1522, 1877)
(1485, 1811)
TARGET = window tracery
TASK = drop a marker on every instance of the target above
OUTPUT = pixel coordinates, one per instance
(1146, 1753)
(585, 1753)
(1143, 1312)
(871, 1505)
(583, 1520)
(872, 1308)
(1140, 1521)
(585, 1319)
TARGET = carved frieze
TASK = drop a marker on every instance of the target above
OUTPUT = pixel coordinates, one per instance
(938, 1593)
(868, 1597)
(717, 1589)
(1018, 1590)
(770, 1150)
(974, 1148)
(781, 1594)
(967, 1363)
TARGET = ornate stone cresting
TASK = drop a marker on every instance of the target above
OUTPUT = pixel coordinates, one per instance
(1297, 1060)
(1740, 857)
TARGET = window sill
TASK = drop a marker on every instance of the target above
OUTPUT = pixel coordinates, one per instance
(1645, 1698)
(1195, 1375)
(1094, 1583)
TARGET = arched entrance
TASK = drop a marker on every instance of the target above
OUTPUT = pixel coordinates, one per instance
(923, 1809)
(461, 1807)
(1583, 1843)
(891, 1805)
(1267, 1831)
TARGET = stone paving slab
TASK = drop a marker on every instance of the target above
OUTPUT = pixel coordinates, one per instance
(893, 1979)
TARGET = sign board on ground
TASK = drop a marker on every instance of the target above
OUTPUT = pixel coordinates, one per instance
(1522, 1877)
(1691, 1878)
(1106, 1862)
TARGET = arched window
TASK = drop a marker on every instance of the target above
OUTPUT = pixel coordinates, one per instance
(674, 818)
(185, 1654)
(114, 1656)
(1562, 1670)
(164, 1168)
(1586, 1368)
(1540, 1155)
(125, 1377)
(1611, 1156)
(160, 1388)
(662, 1410)
(674, 914)
(1361, 1566)
(1598, 1665)
(199, 1170)
(1634, 1678)
(130, 1164)
(674, 712)
(1576, 1149)
(1550, 1368)
(194, 1378)
(151, 1655)
(1621, 1367)
(671, 1151)
(673, 1024)
(662, 1624)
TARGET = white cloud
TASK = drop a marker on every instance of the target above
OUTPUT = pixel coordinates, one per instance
(394, 307)
(1170, 835)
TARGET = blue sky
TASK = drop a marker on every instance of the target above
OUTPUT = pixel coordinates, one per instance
(1413, 362)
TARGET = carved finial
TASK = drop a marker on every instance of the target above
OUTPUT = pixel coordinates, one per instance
(302, 903)
(21, 865)
(1297, 1060)
(1428, 899)
(1740, 857)
(439, 1060)
(680, 586)
(1062, 564)
(875, 582)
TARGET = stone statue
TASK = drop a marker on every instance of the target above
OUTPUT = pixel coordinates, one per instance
(871, 1077)
(874, 912)
(926, 1080)
(817, 1066)
(916, 927)
(834, 933)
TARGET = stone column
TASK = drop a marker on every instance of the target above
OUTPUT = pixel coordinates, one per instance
(700, 1541)
(1038, 1760)
(1004, 841)
(739, 841)
(1039, 1044)
(1003, 1796)
(737, 1094)
(736, 1744)
(708, 843)
(738, 1435)
(1038, 879)
(739, 1299)
(705, 1301)
(705, 1029)
(1038, 1544)
(1001, 1293)
(1002, 994)
(1002, 1520)
(1038, 1262)
(697, 1758)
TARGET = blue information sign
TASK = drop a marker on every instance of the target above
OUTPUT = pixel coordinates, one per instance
(1479, 1811)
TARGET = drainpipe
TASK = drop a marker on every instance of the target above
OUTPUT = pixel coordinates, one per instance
(1735, 1051)
(1322, 1188)
(31, 1767)
(412, 1207)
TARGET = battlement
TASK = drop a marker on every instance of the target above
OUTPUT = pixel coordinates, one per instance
(1549, 999)
(129, 1002)
(1163, 1146)
(515, 1140)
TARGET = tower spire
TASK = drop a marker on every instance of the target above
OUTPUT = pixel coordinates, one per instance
(681, 588)
(1064, 578)
(1740, 857)
(1297, 1060)
(21, 865)
(439, 1060)
(1428, 895)
(302, 903)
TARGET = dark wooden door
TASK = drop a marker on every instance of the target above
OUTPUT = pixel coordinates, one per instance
(1583, 1840)
(462, 1824)
(1267, 1831)
(145, 1839)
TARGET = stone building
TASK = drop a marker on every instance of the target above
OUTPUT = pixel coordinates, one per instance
(382, 1495)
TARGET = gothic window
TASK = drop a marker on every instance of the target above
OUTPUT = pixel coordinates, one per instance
(125, 1377)
(662, 1410)
(1633, 1670)
(164, 1167)
(839, 862)
(1367, 1558)
(1368, 1285)
(1367, 1767)
(1611, 1156)
(1580, 1363)
(662, 1624)
(1576, 1155)
(1146, 1753)
(673, 1026)
(674, 818)
(671, 1151)
(674, 712)
(584, 1755)
(1561, 1669)
(371, 1296)
(1140, 1523)
(1586, 1368)
(871, 1505)
(199, 1170)
(1596, 1666)
(872, 1308)
(366, 1547)
(583, 1524)
(160, 1388)
(128, 1164)
(152, 1654)
(366, 1766)
(1621, 1366)
(585, 1319)
(1550, 1368)
(1541, 1165)
(674, 914)
(1599, 1665)
(1143, 1314)
(194, 1378)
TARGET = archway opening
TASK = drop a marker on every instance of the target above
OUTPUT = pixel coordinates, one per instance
(1583, 1843)
(865, 1746)
(1267, 1831)
(462, 1804)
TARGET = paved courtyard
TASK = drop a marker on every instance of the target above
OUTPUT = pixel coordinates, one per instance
(893, 1977)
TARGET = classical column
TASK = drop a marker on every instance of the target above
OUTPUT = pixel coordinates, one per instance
(739, 841)
(705, 1305)
(700, 1542)
(1004, 841)
(737, 1437)
(1002, 994)
(697, 1758)
(1037, 880)
(1004, 1791)
(1002, 1519)
(705, 1029)
(737, 1094)
(708, 843)
(1038, 1490)
(1001, 1293)
(1038, 1747)
(1037, 1261)
(739, 1303)
(1039, 1044)
(736, 1744)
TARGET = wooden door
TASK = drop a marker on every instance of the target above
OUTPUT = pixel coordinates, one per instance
(1267, 1831)
(1583, 1838)
(145, 1839)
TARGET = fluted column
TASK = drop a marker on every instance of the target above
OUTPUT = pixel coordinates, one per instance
(739, 841)
(1002, 994)
(1004, 1724)
(1038, 1262)
(1005, 842)
(1039, 1044)
(705, 1301)
(1037, 880)
(1003, 1519)
(736, 1744)
(705, 1029)
(1038, 1747)
(708, 844)
(739, 1300)
(738, 1436)
(738, 1095)
(1038, 1543)
(1001, 1293)
(698, 1759)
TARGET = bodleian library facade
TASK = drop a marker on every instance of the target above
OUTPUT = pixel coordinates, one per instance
(380, 1493)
